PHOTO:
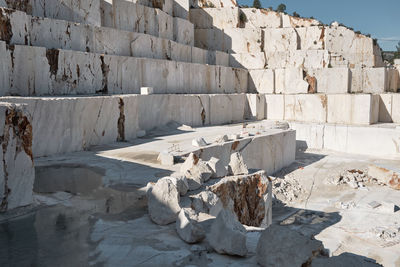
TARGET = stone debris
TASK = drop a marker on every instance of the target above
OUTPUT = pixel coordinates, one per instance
(247, 196)
(353, 178)
(196, 171)
(166, 158)
(206, 202)
(345, 205)
(181, 183)
(163, 201)
(146, 90)
(237, 165)
(227, 235)
(218, 167)
(221, 139)
(281, 246)
(387, 176)
(187, 227)
(388, 233)
(199, 142)
(287, 190)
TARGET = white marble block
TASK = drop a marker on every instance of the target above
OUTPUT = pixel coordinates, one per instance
(306, 107)
(262, 18)
(280, 40)
(183, 32)
(262, 81)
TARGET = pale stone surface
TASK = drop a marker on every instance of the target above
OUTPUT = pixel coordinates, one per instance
(255, 106)
(280, 40)
(165, 158)
(218, 167)
(332, 80)
(181, 182)
(238, 40)
(393, 83)
(163, 202)
(206, 202)
(374, 80)
(227, 109)
(357, 75)
(217, 18)
(181, 9)
(311, 37)
(165, 5)
(385, 108)
(237, 165)
(187, 228)
(307, 108)
(290, 81)
(294, 22)
(274, 107)
(262, 81)
(343, 40)
(146, 90)
(247, 60)
(385, 175)
(199, 56)
(17, 171)
(221, 58)
(310, 135)
(353, 109)
(281, 246)
(183, 32)
(227, 235)
(212, 3)
(307, 59)
(396, 108)
(237, 192)
(199, 142)
(261, 18)
(221, 138)
(196, 171)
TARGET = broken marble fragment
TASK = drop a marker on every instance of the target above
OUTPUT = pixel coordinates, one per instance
(187, 227)
(166, 158)
(196, 171)
(206, 202)
(181, 183)
(237, 165)
(163, 201)
(199, 142)
(218, 167)
(228, 235)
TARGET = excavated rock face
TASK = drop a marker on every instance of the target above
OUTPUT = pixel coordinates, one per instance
(246, 196)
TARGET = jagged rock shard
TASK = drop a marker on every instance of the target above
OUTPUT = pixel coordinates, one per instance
(218, 167)
(199, 142)
(206, 202)
(281, 246)
(248, 196)
(17, 172)
(237, 165)
(196, 171)
(227, 235)
(181, 183)
(188, 228)
(163, 201)
(388, 176)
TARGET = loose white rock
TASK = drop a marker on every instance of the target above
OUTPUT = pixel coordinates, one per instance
(181, 183)
(199, 142)
(221, 138)
(237, 165)
(163, 201)
(218, 167)
(207, 202)
(146, 90)
(227, 235)
(187, 227)
(196, 171)
(281, 246)
(166, 158)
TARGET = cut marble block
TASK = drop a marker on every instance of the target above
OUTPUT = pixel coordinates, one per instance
(353, 108)
(183, 32)
(280, 40)
(332, 80)
(65, 72)
(307, 59)
(306, 107)
(261, 18)
(227, 108)
(181, 9)
(133, 17)
(270, 150)
(356, 85)
(218, 58)
(311, 38)
(393, 83)
(81, 11)
(146, 91)
(343, 40)
(274, 107)
(356, 60)
(209, 39)
(255, 108)
(290, 81)
(295, 22)
(212, 3)
(374, 80)
(262, 81)
(165, 5)
(17, 172)
(247, 60)
(199, 55)
(215, 18)
(239, 40)
(389, 108)
(349, 138)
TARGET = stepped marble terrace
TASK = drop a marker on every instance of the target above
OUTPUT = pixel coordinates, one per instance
(194, 133)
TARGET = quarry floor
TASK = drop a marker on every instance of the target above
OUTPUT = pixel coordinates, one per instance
(103, 219)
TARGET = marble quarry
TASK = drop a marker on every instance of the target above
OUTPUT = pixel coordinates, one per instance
(208, 102)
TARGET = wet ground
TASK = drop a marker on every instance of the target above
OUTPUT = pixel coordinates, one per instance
(91, 211)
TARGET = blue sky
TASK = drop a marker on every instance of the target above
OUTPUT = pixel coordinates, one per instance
(380, 18)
